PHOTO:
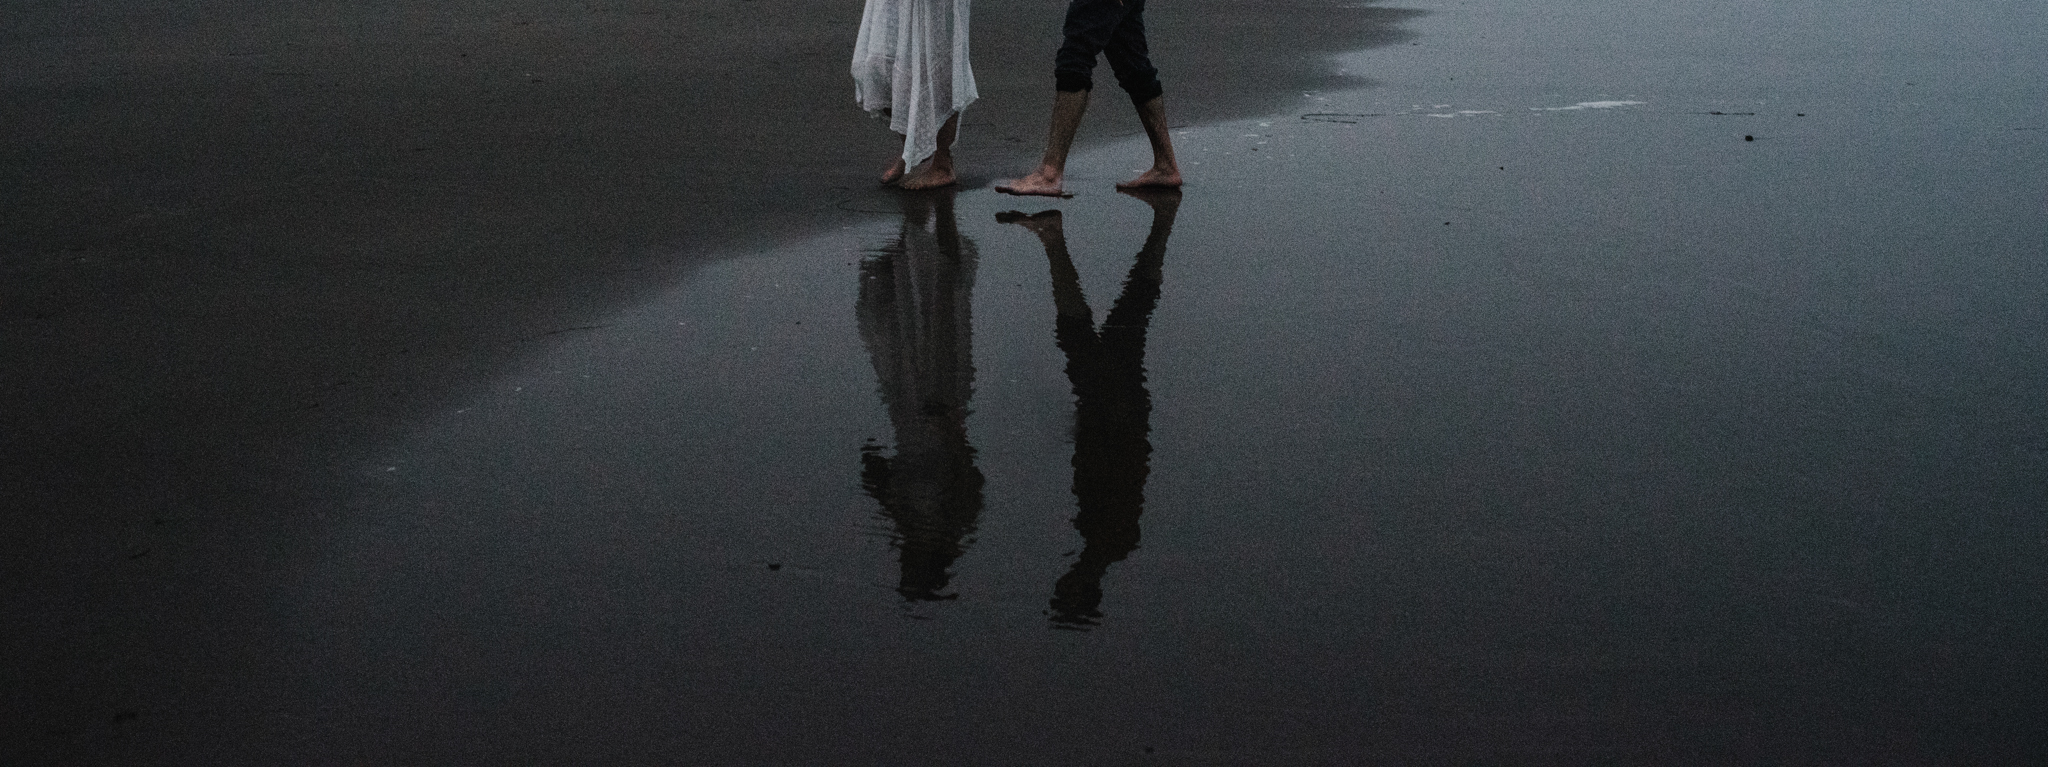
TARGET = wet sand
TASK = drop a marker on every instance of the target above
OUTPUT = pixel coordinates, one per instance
(1488, 398)
(249, 242)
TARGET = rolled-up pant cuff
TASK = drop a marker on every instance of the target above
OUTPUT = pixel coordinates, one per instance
(1073, 83)
(1143, 93)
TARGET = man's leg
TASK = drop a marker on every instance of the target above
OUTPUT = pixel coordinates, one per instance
(1090, 26)
(1067, 108)
(1165, 171)
(1130, 58)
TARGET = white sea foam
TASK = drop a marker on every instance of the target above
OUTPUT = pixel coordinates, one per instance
(1590, 105)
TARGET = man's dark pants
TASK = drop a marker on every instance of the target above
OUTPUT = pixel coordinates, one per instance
(1116, 30)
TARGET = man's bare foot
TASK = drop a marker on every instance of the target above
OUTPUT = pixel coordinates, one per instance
(1156, 178)
(1038, 184)
(1042, 222)
(894, 173)
(928, 177)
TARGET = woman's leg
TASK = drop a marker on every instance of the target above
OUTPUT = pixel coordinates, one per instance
(938, 171)
(894, 172)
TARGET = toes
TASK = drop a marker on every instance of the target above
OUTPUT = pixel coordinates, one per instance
(921, 183)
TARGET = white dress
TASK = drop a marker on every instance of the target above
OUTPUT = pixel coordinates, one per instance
(910, 64)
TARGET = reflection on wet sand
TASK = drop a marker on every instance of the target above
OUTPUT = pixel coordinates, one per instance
(1112, 407)
(915, 318)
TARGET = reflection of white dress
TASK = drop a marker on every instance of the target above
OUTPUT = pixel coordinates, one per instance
(910, 63)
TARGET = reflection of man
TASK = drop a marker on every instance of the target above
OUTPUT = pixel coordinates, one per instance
(915, 321)
(1112, 408)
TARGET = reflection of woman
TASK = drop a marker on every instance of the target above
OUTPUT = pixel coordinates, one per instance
(910, 64)
(916, 323)
(1112, 407)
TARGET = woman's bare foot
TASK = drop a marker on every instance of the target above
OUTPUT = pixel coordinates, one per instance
(1156, 178)
(1043, 182)
(930, 176)
(894, 172)
(935, 172)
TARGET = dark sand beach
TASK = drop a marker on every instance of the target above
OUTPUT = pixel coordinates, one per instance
(538, 383)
